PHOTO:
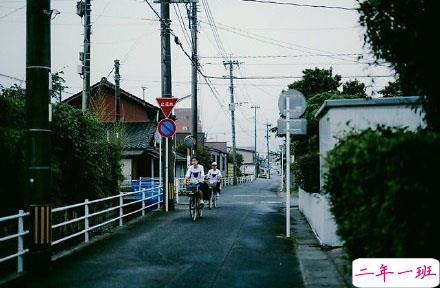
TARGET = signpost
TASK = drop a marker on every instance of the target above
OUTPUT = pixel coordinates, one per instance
(166, 105)
(292, 105)
(296, 126)
(166, 128)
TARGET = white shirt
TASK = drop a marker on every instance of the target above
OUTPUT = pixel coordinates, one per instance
(214, 176)
(196, 174)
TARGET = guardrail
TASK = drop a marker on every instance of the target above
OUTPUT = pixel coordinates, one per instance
(143, 196)
(19, 236)
(225, 181)
(140, 196)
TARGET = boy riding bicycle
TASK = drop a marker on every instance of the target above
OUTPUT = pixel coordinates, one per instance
(194, 177)
(214, 178)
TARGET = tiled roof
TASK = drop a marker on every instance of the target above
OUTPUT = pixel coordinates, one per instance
(138, 136)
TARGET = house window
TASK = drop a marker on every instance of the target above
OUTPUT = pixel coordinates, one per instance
(224, 163)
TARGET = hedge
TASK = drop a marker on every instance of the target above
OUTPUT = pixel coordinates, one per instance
(383, 185)
(84, 163)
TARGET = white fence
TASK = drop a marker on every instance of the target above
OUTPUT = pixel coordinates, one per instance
(139, 196)
(179, 183)
(316, 208)
(142, 196)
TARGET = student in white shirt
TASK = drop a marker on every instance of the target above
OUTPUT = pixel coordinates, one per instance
(195, 175)
(214, 177)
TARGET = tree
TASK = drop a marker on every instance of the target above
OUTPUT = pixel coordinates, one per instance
(402, 33)
(57, 86)
(316, 81)
(355, 88)
(392, 89)
(239, 158)
(317, 86)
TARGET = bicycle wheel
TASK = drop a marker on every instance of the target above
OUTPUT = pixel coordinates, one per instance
(199, 208)
(214, 200)
(192, 208)
(210, 204)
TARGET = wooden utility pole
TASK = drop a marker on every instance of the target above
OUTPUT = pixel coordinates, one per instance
(38, 117)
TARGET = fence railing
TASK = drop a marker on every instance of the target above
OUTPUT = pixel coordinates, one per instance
(147, 197)
(179, 183)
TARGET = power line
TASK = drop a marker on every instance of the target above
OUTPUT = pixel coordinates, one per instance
(275, 42)
(182, 24)
(12, 12)
(12, 77)
(294, 77)
(301, 5)
(286, 56)
(213, 26)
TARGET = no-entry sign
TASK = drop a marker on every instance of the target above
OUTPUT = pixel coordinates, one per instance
(166, 128)
(166, 104)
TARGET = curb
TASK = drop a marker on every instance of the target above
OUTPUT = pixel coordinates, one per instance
(317, 269)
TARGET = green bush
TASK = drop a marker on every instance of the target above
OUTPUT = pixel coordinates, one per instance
(383, 186)
(84, 163)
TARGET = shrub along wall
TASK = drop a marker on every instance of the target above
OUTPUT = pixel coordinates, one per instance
(384, 187)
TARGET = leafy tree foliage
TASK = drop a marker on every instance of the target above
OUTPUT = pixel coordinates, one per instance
(354, 87)
(306, 148)
(316, 81)
(84, 163)
(392, 89)
(402, 33)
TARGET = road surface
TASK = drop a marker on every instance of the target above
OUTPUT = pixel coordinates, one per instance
(238, 244)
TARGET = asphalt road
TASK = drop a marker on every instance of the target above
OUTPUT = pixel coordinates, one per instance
(238, 244)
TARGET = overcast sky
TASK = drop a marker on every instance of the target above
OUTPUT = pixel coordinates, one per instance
(128, 30)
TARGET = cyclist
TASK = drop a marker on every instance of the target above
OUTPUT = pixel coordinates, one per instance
(194, 176)
(214, 177)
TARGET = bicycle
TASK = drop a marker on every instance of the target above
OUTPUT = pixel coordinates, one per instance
(214, 197)
(195, 209)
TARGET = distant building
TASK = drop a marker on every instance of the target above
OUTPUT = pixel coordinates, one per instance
(184, 125)
(219, 154)
(139, 121)
(248, 153)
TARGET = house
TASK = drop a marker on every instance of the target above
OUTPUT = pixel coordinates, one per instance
(219, 154)
(248, 166)
(184, 125)
(138, 126)
(337, 117)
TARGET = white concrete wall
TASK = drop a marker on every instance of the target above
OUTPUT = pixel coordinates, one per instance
(316, 208)
(126, 168)
(332, 126)
(338, 121)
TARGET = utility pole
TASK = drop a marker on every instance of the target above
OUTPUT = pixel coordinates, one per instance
(231, 64)
(117, 94)
(194, 73)
(143, 92)
(168, 155)
(268, 153)
(255, 139)
(84, 10)
(38, 133)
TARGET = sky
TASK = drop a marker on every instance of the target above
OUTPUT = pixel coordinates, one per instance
(268, 40)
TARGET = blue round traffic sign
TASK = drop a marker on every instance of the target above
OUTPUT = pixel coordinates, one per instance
(166, 128)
